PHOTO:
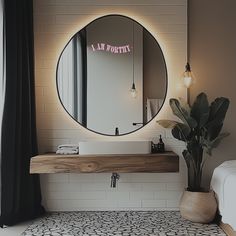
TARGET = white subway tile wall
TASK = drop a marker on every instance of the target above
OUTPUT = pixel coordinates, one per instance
(55, 22)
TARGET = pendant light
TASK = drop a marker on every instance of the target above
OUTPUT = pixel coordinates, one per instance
(187, 76)
(133, 90)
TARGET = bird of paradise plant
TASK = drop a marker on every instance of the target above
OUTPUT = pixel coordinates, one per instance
(200, 128)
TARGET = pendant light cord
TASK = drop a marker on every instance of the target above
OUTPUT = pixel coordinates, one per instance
(188, 51)
(133, 53)
(188, 47)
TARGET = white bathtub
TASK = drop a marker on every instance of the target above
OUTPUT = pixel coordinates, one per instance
(224, 184)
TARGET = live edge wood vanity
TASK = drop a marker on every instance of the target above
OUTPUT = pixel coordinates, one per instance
(52, 163)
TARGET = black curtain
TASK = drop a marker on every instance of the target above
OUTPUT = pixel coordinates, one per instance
(21, 197)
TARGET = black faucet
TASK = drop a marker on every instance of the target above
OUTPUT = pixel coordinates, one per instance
(138, 123)
(117, 131)
(114, 178)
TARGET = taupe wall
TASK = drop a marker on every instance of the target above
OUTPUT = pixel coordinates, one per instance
(213, 59)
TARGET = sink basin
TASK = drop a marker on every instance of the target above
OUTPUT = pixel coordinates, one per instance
(114, 147)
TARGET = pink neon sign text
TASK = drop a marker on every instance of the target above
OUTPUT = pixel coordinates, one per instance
(111, 48)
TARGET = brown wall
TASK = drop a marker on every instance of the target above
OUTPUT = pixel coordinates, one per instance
(213, 58)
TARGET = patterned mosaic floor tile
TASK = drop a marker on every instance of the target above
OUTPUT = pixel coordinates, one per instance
(119, 223)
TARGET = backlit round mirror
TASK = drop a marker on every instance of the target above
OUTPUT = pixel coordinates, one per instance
(111, 76)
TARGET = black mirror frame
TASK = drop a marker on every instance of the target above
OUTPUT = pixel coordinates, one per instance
(123, 134)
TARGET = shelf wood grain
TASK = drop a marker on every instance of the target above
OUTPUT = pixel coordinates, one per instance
(227, 229)
(53, 163)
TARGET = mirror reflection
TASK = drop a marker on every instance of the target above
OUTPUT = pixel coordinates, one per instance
(111, 76)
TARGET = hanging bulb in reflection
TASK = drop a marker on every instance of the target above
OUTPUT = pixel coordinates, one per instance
(133, 91)
(188, 77)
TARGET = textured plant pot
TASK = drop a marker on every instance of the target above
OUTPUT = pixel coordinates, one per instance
(199, 207)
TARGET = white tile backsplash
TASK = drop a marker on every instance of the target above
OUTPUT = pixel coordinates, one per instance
(118, 195)
(153, 203)
(129, 186)
(54, 23)
(129, 204)
(90, 195)
(142, 195)
(172, 204)
(168, 195)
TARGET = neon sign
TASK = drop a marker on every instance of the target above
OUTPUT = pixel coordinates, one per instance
(111, 48)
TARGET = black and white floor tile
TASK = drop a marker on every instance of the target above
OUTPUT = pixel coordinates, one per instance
(119, 223)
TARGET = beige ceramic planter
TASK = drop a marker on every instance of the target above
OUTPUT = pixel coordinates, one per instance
(198, 207)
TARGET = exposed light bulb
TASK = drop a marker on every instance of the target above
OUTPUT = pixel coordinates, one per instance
(188, 76)
(133, 91)
(188, 80)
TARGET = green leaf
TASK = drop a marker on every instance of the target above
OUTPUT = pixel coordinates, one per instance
(218, 140)
(215, 143)
(195, 149)
(187, 158)
(181, 132)
(218, 111)
(200, 110)
(167, 123)
(181, 113)
(213, 130)
(184, 105)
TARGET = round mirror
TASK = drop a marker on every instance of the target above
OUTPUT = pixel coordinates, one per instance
(111, 76)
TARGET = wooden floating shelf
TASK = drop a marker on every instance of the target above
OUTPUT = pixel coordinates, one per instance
(156, 163)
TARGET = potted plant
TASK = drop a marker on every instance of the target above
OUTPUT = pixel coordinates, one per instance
(200, 128)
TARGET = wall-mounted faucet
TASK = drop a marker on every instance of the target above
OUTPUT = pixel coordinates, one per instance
(138, 123)
(114, 178)
(117, 131)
